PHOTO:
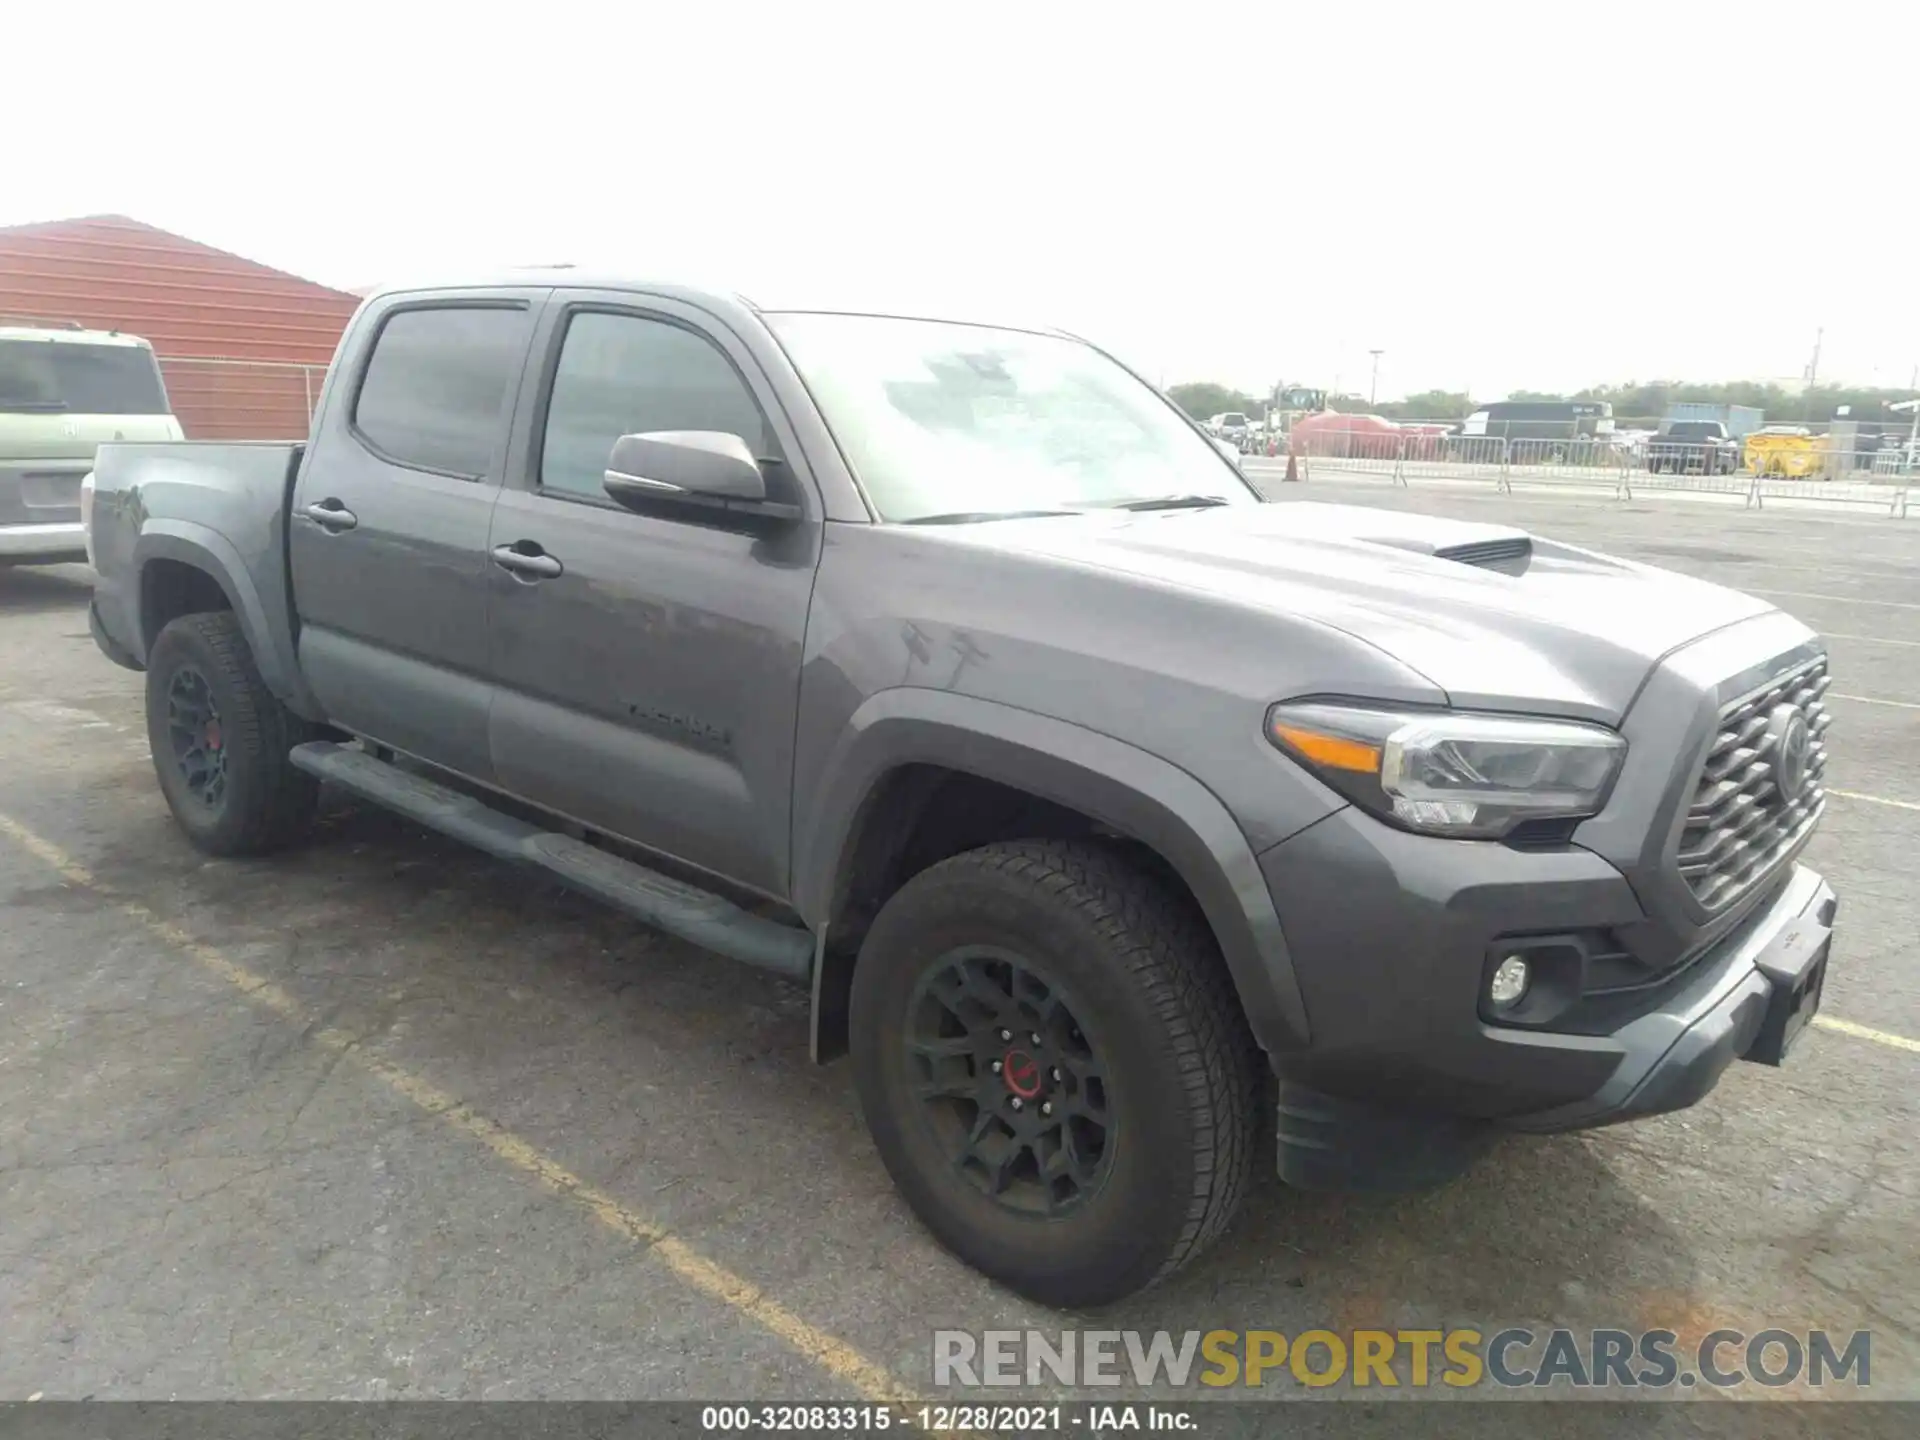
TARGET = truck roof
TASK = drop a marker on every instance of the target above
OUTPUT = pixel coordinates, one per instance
(716, 298)
(71, 337)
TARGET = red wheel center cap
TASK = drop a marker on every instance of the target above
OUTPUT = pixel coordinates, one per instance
(1022, 1073)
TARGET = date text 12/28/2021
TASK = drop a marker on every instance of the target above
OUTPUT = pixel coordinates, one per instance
(1092, 1419)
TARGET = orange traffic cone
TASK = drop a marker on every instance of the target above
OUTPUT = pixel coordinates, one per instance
(1293, 467)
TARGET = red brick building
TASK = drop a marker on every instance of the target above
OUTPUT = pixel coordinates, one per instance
(243, 347)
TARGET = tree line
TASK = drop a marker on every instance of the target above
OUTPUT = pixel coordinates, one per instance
(1633, 400)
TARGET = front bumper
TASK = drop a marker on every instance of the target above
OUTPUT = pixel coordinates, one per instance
(45, 544)
(1391, 935)
(1746, 999)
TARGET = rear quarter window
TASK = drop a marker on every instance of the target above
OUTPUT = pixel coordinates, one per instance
(74, 378)
(435, 391)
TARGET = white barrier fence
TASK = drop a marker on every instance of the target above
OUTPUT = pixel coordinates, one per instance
(1758, 474)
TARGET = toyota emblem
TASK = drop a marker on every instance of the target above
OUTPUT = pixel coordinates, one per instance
(1787, 726)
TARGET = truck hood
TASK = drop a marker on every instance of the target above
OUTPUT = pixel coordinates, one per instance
(1514, 622)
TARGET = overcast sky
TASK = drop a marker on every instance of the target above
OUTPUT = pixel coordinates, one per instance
(1542, 195)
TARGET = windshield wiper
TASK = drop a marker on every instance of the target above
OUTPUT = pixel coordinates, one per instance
(970, 517)
(1170, 502)
(20, 404)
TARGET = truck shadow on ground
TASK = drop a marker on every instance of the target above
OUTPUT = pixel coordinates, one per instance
(32, 590)
(1540, 1232)
(514, 987)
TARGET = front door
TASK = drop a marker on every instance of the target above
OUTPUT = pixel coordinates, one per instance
(648, 665)
(388, 533)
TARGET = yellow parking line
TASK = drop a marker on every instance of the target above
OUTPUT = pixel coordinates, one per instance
(1867, 1032)
(1870, 700)
(869, 1377)
(1875, 799)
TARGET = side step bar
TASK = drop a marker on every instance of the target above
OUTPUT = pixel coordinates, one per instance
(667, 904)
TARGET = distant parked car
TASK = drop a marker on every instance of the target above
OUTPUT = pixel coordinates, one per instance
(1693, 447)
(1631, 445)
(62, 392)
(1369, 437)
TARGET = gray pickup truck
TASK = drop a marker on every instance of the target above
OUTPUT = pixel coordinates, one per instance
(1110, 813)
(1693, 447)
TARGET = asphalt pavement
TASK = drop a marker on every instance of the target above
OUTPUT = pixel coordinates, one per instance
(380, 1118)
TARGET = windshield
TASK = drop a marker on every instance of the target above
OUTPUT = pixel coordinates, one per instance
(1234, 419)
(943, 419)
(67, 377)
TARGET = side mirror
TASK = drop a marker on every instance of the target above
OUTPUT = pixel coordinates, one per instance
(665, 463)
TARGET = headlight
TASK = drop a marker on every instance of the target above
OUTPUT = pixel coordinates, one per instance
(1442, 773)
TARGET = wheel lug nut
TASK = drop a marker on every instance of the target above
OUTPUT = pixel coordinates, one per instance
(1046, 1107)
(1055, 1073)
(1017, 1103)
(1035, 1037)
(1006, 1034)
(996, 1067)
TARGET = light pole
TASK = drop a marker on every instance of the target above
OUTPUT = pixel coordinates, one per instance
(1373, 385)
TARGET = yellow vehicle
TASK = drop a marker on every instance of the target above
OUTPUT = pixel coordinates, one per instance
(1789, 450)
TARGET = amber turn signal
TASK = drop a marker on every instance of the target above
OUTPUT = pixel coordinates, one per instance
(1334, 751)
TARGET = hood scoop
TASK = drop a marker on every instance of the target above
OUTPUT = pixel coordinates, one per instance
(1486, 547)
(1509, 554)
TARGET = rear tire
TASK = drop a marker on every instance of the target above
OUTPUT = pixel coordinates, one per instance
(220, 740)
(1055, 1068)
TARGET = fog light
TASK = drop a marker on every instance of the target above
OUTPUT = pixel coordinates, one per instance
(1509, 982)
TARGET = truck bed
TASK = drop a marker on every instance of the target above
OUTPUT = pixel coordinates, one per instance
(219, 506)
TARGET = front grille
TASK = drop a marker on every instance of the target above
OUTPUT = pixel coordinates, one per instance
(1741, 820)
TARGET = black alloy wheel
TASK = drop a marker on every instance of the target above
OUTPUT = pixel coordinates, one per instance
(198, 743)
(1008, 1080)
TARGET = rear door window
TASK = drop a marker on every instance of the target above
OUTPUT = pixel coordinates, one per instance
(437, 387)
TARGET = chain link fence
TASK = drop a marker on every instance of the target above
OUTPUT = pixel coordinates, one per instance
(242, 399)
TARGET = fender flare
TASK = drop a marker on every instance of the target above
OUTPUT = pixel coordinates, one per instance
(1117, 784)
(207, 551)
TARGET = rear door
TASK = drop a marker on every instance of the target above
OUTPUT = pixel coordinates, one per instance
(648, 682)
(388, 535)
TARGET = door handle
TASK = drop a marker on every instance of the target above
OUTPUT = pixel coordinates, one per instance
(331, 515)
(526, 560)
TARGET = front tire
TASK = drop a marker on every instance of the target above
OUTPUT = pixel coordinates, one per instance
(1055, 1068)
(220, 740)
